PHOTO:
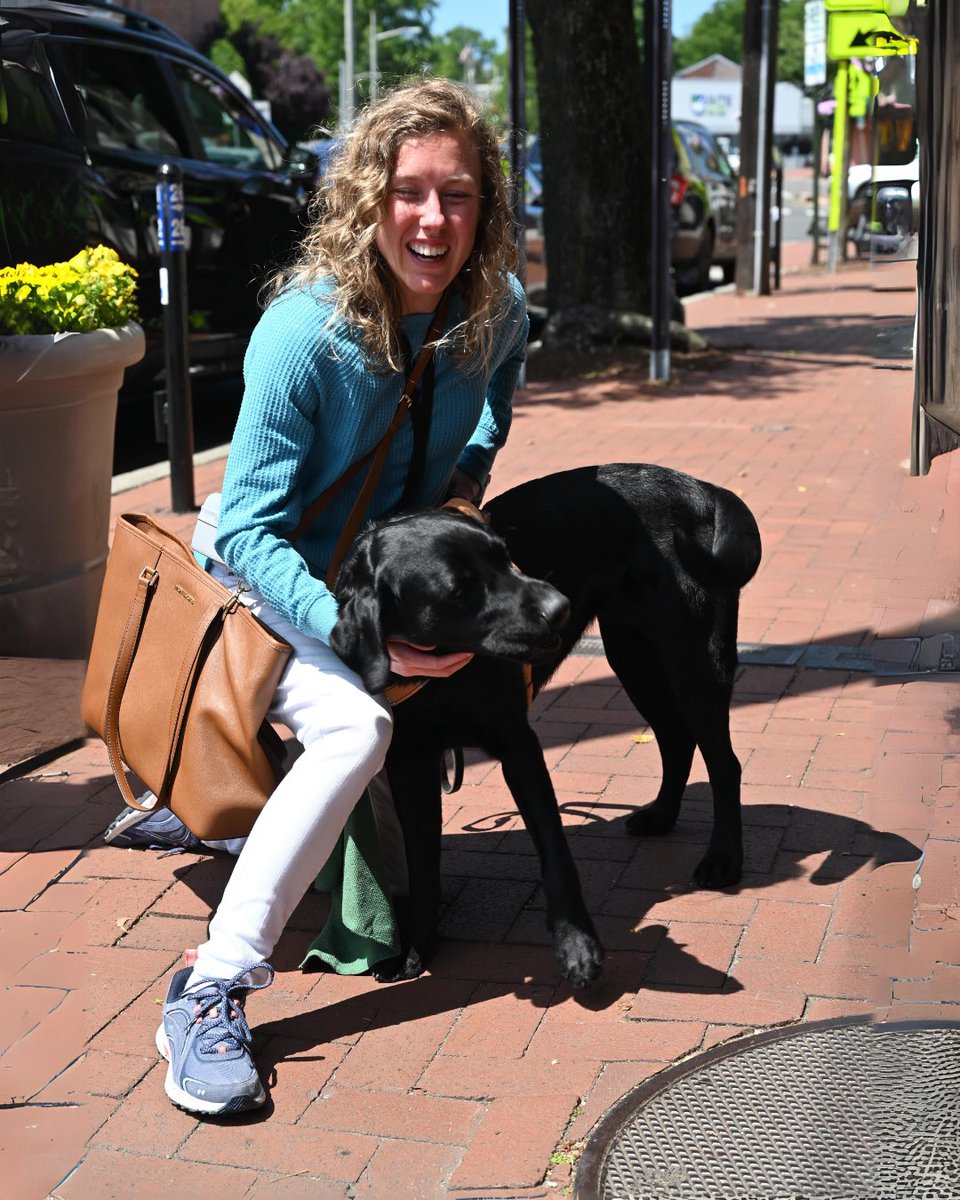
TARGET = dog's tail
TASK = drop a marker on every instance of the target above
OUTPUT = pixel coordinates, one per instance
(731, 559)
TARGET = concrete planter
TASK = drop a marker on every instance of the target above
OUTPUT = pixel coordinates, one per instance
(58, 405)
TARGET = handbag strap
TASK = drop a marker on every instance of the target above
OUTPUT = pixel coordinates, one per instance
(376, 458)
(118, 682)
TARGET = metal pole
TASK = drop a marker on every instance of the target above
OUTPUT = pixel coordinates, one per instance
(763, 160)
(518, 123)
(517, 37)
(778, 241)
(171, 237)
(374, 89)
(838, 178)
(657, 39)
(346, 115)
(815, 251)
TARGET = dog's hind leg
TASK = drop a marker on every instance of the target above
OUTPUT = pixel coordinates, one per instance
(713, 664)
(688, 697)
(575, 942)
(702, 671)
(636, 663)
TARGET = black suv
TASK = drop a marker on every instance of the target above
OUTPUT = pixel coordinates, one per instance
(93, 99)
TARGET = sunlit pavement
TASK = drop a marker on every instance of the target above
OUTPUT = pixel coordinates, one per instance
(481, 1078)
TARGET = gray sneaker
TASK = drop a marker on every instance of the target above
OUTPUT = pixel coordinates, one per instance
(206, 1040)
(157, 830)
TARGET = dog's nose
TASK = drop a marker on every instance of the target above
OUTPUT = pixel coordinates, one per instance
(554, 607)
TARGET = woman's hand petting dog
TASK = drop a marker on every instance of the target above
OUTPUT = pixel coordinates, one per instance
(412, 661)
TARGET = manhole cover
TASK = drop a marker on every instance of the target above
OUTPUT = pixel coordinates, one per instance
(833, 1110)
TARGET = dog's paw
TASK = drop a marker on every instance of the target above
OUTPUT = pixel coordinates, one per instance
(719, 869)
(409, 965)
(654, 820)
(579, 953)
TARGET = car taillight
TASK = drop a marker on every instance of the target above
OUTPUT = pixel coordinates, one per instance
(678, 189)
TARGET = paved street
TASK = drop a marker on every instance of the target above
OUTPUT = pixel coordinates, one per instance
(482, 1078)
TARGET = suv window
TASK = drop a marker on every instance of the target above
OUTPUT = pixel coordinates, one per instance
(25, 108)
(126, 103)
(230, 134)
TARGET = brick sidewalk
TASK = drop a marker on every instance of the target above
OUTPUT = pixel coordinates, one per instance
(481, 1078)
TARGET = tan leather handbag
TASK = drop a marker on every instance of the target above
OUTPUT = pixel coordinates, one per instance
(179, 681)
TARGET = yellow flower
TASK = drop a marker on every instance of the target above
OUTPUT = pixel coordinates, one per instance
(92, 290)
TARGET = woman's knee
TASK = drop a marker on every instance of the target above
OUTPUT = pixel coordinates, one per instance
(363, 729)
(377, 730)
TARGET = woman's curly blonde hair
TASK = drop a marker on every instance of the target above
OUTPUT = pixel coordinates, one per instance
(347, 211)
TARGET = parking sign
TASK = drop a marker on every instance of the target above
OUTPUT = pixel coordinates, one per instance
(814, 43)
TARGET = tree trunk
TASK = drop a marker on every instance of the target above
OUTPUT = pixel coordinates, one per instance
(936, 424)
(595, 175)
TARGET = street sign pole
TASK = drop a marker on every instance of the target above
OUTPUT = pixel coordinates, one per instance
(178, 407)
(838, 178)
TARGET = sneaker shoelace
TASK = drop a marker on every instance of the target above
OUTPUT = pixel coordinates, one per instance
(218, 1009)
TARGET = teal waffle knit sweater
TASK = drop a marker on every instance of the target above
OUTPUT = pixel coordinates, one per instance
(311, 407)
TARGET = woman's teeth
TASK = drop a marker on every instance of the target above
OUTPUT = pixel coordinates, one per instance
(428, 251)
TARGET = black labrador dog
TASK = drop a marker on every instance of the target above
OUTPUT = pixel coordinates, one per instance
(656, 557)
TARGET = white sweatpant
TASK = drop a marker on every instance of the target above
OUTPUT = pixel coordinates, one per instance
(345, 733)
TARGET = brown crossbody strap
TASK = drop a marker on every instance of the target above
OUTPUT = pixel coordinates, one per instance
(376, 458)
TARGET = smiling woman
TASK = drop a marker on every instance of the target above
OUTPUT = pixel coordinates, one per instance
(413, 219)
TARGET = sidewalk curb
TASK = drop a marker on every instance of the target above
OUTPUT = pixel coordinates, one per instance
(161, 470)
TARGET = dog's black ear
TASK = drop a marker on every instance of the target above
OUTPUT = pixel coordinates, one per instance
(358, 635)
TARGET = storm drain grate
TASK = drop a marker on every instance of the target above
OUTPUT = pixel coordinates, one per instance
(834, 1110)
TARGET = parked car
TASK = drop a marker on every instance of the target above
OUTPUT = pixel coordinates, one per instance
(96, 99)
(703, 197)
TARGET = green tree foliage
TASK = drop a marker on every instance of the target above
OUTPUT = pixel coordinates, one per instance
(720, 31)
(315, 28)
(463, 53)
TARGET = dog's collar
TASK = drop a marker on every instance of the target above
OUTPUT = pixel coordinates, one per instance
(465, 507)
(396, 693)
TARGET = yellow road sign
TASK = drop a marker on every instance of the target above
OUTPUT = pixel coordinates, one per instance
(857, 34)
(893, 8)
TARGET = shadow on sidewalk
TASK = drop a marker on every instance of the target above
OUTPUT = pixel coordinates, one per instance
(749, 360)
(521, 967)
